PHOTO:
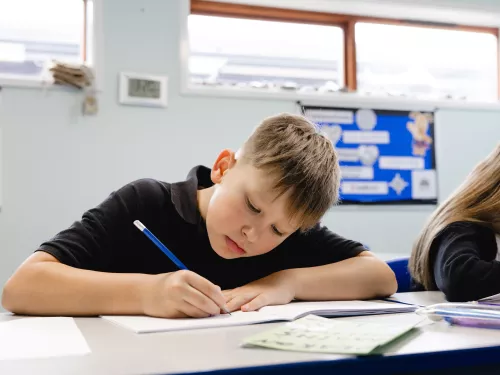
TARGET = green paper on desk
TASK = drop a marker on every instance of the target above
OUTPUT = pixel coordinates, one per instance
(321, 335)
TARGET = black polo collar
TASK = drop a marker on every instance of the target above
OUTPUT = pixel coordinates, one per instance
(184, 195)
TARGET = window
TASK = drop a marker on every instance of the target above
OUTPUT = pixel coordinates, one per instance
(425, 62)
(258, 48)
(33, 33)
(260, 54)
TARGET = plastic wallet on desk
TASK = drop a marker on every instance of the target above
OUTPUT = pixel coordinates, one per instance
(484, 313)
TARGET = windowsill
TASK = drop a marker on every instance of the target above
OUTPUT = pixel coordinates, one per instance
(33, 83)
(338, 99)
(36, 83)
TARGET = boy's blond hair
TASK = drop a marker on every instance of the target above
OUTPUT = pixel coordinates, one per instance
(302, 161)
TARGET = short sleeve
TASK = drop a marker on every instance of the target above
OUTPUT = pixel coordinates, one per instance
(319, 246)
(465, 268)
(89, 243)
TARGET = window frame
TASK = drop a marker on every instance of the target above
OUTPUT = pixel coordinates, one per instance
(345, 21)
(20, 81)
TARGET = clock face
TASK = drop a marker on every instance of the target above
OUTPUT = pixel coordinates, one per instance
(144, 88)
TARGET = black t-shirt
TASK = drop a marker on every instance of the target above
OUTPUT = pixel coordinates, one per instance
(105, 239)
(463, 260)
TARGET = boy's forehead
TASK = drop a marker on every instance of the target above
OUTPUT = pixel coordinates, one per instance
(262, 182)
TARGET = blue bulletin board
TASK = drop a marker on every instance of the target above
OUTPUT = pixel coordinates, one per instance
(386, 157)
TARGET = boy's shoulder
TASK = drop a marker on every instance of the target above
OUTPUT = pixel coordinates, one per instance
(198, 176)
(143, 189)
(146, 183)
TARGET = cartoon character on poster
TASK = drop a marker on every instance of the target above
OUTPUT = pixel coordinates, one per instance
(418, 127)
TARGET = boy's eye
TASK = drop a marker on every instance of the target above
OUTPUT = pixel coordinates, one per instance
(276, 231)
(252, 207)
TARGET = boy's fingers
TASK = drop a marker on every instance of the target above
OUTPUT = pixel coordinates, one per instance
(209, 289)
(227, 293)
(237, 302)
(197, 299)
(193, 311)
(256, 303)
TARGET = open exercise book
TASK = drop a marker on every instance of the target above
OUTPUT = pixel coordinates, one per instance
(292, 311)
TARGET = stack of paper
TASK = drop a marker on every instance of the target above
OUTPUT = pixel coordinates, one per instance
(315, 334)
(41, 338)
(292, 311)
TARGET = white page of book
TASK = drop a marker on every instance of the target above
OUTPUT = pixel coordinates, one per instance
(144, 324)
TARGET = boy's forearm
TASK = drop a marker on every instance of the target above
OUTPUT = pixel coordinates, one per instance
(52, 288)
(361, 277)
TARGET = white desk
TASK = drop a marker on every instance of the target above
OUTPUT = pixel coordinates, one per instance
(418, 298)
(119, 351)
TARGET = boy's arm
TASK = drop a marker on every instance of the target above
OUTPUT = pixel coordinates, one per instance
(361, 277)
(318, 265)
(326, 265)
(44, 286)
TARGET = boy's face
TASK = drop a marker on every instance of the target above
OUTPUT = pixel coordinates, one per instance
(244, 217)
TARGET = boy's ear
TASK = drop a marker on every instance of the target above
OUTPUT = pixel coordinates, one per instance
(225, 161)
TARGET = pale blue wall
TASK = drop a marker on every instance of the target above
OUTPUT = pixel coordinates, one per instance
(56, 164)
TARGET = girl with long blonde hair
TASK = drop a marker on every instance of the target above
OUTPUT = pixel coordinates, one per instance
(458, 251)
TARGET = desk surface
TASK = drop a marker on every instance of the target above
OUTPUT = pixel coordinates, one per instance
(119, 351)
(420, 298)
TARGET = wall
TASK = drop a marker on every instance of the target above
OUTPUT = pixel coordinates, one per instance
(57, 164)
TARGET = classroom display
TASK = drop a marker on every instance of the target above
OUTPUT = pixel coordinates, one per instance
(385, 156)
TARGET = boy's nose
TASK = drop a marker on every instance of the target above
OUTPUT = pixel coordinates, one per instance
(250, 233)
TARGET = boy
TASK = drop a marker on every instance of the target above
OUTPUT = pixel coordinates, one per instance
(222, 223)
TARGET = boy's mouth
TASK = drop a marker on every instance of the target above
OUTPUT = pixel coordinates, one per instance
(233, 246)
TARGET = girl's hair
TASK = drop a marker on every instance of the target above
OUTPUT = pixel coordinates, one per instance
(476, 200)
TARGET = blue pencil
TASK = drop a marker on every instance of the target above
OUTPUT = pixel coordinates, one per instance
(163, 248)
(160, 245)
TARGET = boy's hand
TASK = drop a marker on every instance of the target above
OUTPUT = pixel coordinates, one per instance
(182, 294)
(275, 289)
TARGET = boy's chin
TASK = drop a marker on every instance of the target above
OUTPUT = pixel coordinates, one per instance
(223, 249)
(225, 253)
